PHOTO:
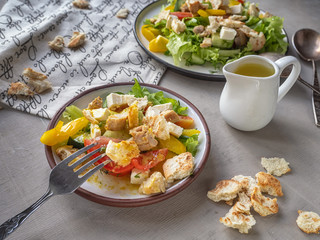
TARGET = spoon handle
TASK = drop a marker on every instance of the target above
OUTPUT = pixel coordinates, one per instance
(316, 96)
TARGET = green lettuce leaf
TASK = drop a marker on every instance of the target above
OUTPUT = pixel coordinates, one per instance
(191, 143)
(72, 112)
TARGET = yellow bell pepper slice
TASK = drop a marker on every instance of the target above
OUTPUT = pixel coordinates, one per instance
(233, 3)
(147, 33)
(203, 13)
(169, 8)
(173, 145)
(190, 132)
(158, 44)
(216, 12)
(62, 132)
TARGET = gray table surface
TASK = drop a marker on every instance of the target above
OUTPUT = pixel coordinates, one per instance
(291, 134)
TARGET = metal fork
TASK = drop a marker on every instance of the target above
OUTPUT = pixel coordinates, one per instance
(63, 179)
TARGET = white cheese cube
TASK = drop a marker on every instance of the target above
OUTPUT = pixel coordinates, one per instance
(227, 33)
(116, 100)
(95, 130)
(236, 9)
(101, 114)
(141, 102)
(178, 26)
(138, 176)
(174, 129)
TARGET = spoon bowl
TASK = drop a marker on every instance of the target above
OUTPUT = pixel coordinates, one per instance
(307, 44)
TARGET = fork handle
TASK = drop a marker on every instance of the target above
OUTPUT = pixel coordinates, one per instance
(13, 223)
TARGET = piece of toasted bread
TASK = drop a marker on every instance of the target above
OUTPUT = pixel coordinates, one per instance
(308, 222)
(225, 190)
(269, 184)
(263, 205)
(275, 166)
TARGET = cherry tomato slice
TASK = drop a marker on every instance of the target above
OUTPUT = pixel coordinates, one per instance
(181, 15)
(150, 159)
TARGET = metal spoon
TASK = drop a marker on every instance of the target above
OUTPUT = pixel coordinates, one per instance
(273, 56)
(307, 44)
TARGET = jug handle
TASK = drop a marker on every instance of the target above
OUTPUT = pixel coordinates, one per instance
(282, 63)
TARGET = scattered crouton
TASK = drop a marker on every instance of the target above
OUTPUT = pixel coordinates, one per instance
(123, 13)
(83, 4)
(20, 88)
(40, 86)
(57, 43)
(275, 166)
(263, 205)
(31, 74)
(224, 190)
(239, 215)
(77, 40)
(248, 183)
(144, 137)
(308, 222)
(269, 184)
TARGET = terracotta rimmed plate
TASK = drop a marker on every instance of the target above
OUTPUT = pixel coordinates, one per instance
(112, 191)
(202, 72)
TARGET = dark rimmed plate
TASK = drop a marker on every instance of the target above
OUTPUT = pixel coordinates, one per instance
(112, 191)
(203, 72)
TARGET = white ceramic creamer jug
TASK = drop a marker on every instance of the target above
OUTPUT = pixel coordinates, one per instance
(248, 103)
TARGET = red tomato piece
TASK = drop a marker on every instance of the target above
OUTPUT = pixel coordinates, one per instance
(150, 159)
(185, 122)
(181, 15)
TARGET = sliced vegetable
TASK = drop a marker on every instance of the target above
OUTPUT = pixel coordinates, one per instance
(203, 13)
(216, 12)
(149, 159)
(72, 112)
(190, 132)
(185, 122)
(147, 33)
(173, 145)
(62, 133)
(191, 143)
(181, 15)
(159, 44)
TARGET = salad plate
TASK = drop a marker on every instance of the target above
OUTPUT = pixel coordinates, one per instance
(116, 191)
(203, 72)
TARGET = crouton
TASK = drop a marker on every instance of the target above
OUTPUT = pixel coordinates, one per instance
(122, 152)
(83, 4)
(239, 220)
(116, 122)
(144, 137)
(263, 205)
(159, 127)
(275, 166)
(269, 184)
(133, 116)
(40, 86)
(31, 74)
(96, 103)
(170, 116)
(87, 113)
(20, 88)
(224, 190)
(65, 151)
(156, 183)
(308, 222)
(174, 129)
(244, 204)
(248, 183)
(76, 40)
(57, 43)
(123, 13)
(178, 167)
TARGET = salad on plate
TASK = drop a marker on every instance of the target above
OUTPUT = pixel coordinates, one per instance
(148, 139)
(197, 32)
